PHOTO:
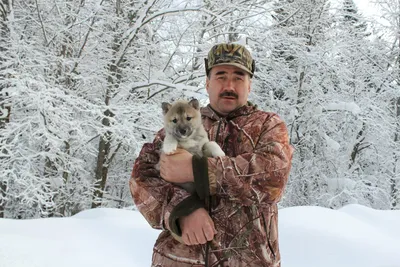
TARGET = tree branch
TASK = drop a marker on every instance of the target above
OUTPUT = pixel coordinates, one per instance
(41, 22)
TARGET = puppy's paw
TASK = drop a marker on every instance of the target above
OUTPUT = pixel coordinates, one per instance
(212, 149)
(169, 149)
(157, 166)
(218, 153)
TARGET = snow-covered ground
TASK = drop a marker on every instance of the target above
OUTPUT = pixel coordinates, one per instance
(354, 236)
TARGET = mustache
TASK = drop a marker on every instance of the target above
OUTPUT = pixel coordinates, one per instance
(229, 94)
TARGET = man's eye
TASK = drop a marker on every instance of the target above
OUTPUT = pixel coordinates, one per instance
(188, 118)
(174, 120)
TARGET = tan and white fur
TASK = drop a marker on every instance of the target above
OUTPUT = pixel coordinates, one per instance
(184, 129)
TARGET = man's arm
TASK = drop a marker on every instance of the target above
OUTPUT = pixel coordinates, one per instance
(160, 202)
(250, 178)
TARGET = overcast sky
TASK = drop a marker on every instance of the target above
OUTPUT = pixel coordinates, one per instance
(366, 7)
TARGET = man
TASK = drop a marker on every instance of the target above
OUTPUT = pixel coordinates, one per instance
(232, 218)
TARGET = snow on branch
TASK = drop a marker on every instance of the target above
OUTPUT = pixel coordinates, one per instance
(343, 106)
(178, 86)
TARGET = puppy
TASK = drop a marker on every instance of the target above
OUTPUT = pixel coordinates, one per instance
(184, 129)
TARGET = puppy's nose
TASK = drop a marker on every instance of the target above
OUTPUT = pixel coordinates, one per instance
(182, 131)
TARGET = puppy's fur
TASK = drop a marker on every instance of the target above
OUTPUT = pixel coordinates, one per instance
(183, 129)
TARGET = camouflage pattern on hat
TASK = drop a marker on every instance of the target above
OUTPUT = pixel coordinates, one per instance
(230, 54)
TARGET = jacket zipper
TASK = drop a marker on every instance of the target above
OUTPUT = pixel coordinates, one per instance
(208, 204)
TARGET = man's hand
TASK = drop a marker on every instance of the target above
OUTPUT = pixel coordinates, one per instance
(197, 227)
(177, 167)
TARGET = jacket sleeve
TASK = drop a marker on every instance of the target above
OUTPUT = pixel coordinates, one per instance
(257, 177)
(160, 202)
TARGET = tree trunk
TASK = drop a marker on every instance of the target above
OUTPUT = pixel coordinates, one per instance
(64, 207)
(5, 7)
(357, 146)
(3, 190)
(102, 162)
(4, 44)
(103, 157)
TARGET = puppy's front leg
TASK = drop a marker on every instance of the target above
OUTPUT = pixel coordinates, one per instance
(170, 144)
(212, 149)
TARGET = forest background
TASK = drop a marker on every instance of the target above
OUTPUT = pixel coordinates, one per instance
(81, 82)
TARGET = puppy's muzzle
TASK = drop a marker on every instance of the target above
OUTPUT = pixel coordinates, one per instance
(182, 132)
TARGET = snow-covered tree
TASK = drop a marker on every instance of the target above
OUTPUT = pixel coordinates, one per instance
(79, 96)
(85, 79)
(5, 72)
(388, 30)
(292, 76)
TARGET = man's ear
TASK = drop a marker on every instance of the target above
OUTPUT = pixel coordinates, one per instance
(165, 107)
(249, 89)
(207, 83)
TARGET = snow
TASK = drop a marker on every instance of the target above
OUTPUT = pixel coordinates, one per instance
(353, 236)
(344, 106)
(367, 8)
(331, 143)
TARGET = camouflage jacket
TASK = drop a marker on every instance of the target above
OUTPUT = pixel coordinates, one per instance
(243, 188)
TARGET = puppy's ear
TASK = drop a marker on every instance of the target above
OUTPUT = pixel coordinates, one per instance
(165, 107)
(195, 103)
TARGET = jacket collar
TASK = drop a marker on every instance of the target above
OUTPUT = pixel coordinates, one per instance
(247, 109)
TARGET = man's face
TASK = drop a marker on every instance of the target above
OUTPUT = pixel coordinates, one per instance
(228, 88)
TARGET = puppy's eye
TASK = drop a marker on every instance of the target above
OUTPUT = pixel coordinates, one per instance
(174, 120)
(188, 118)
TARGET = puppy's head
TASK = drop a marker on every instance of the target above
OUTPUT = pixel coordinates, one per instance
(182, 118)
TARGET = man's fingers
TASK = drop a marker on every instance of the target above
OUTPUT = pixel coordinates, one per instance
(190, 239)
(213, 226)
(198, 226)
(196, 238)
(180, 151)
(162, 157)
(201, 238)
(186, 239)
(193, 239)
(162, 172)
(208, 233)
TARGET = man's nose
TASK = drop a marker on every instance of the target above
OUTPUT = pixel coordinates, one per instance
(229, 84)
